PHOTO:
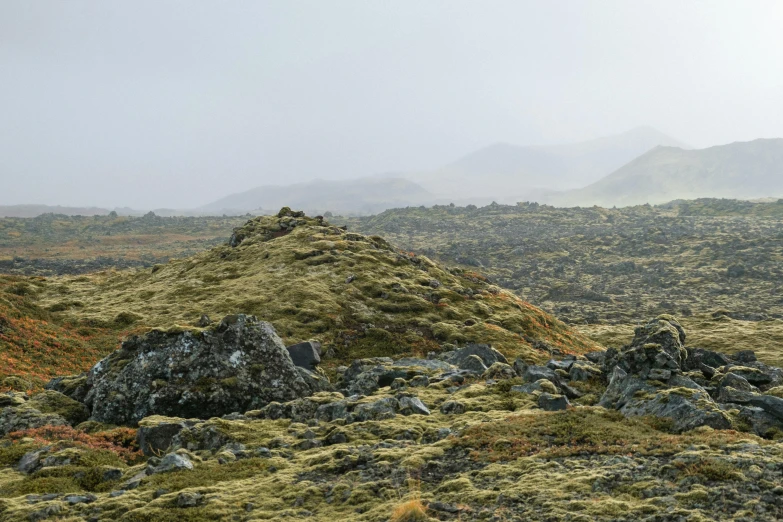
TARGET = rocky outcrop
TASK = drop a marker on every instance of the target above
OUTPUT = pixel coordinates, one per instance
(239, 365)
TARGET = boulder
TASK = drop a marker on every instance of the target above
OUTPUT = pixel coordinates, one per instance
(535, 373)
(666, 332)
(18, 418)
(473, 363)
(171, 462)
(549, 402)
(485, 352)
(583, 371)
(499, 371)
(306, 355)
(452, 408)
(411, 405)
(239, 365)
(154, 438)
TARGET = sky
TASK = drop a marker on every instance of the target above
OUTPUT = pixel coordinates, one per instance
(165, 103)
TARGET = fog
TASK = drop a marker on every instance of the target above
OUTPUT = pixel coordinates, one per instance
(177, 103)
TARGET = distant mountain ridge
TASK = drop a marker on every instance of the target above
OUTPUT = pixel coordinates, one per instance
(740, 170)
(355, 196)
(509, 173)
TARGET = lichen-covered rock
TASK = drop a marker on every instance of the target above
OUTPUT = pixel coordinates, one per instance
(306, 355)
(51, 401)
(666, 332)
(18, 418)
(240, 365)
(499, 371)
(549, 402)
(485, 352)
(583, 371)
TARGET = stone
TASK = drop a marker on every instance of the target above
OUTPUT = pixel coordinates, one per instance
(18, 418)
(31, 461)
(666, 332)
(411, 405)
(452, 408)
(549, 402)
(172, 462)
(560, 365)
(398, 384)
(535, 373)
(306, 355)
(759, 421)
(659, 374)
(473, 363)
(541, 385)
(744, 356)
(768, 403)
(584, 371)
(239, 365)
(381, 409)
(153, 439)
(484, 352)
(419, 381)
(79, 499)
(499, 371)
(188, 499)
(698, 356)
(204, 321)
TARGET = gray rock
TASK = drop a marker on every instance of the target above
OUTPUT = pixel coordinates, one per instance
(659, 374)
(698, 356)
(419, 381)
(452, 408)
(46, 512)
(381, 409)
(18, 418)
(768, 403)
(172, 462)
(737, 382)
(398, 384)
(760, 422)
(535, 373)
(499, 371)
(485, 352)
(31, 461)
(238, 366)
(685, 411)
(306, 355)
(188, 499)
(411, 405)
(473, 363)
(157, 438)
(583, 371)
(541, 385)
(549, 402)
(79, 499)
(560, 365)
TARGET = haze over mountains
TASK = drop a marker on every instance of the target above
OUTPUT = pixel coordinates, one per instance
(742, 170)
(508, 173)
(639, 166)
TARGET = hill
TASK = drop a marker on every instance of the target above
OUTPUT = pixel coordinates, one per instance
(355, 196)
(354, 293)
(510, 173)
(742, 170)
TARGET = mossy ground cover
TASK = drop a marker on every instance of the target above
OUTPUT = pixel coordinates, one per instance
(35, 347)
(520, 464)
(356, 294)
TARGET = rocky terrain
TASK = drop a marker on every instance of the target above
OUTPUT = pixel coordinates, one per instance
(302, 371)
(713, 263)
(655, 430)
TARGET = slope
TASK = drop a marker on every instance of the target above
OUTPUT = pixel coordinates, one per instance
(743, 170)
(509, 172)
(356, 294)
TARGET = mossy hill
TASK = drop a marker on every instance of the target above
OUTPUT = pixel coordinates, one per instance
(358, 295)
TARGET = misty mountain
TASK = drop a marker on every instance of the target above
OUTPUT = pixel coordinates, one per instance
(356, 196)
(29, 211)
(509, 173)
(742, 170)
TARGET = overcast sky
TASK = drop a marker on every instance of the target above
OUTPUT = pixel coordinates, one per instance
(176, 103)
